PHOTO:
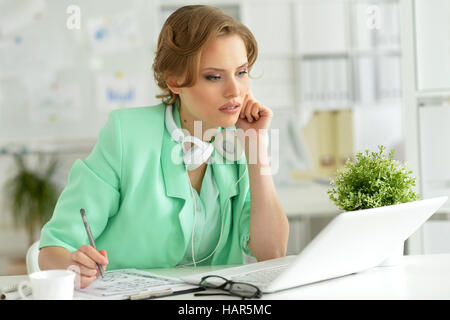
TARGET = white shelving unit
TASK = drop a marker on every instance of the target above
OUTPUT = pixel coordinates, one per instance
(426, 102)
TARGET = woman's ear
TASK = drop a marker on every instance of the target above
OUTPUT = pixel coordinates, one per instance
(172, 85)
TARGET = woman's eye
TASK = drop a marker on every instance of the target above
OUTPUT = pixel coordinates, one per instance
(215, 78)
(212, 78)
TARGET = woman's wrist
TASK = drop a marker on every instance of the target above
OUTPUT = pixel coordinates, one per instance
(256, 149)
(54, 258)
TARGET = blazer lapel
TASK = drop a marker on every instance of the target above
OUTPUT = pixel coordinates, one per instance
(176, 182)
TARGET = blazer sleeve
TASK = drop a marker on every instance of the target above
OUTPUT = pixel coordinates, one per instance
(94, 185)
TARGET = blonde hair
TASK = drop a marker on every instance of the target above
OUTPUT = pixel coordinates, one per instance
(182, 38)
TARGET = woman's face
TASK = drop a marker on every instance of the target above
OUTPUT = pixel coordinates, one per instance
(222, 78)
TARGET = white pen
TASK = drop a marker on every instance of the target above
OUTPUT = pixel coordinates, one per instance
(150, 294)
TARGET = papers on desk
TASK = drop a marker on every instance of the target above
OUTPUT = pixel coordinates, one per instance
(120, 284)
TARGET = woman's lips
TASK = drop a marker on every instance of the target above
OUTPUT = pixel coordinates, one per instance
(231, 111)
(230, 105)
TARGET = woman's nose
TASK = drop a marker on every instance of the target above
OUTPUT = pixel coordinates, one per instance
(232, 89)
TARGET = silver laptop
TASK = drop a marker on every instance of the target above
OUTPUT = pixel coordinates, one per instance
(352, 242)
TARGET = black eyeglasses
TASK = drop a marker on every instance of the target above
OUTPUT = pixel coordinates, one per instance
(236, 289)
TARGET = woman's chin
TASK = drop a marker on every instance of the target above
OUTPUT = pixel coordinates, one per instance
(228, 121)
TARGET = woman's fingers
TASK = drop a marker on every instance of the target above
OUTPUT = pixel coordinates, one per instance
(86, 257)
(256, 115)
(85, 281)
(94, 255)
(251, 111)
(250, 108)
(87, 272)
(103, 253)
(255, 111)
(82, 259)
(83, 276)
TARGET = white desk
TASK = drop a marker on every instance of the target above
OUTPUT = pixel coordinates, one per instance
(418, 277)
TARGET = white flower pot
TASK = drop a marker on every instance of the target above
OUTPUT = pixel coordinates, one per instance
(395, 258)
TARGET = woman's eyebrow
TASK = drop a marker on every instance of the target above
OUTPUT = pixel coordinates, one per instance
(217, 69)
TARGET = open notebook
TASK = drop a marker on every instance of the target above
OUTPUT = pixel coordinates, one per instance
(116, 285)
(120, 284)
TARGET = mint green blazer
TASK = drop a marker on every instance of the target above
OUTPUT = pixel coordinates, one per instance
(138, 201)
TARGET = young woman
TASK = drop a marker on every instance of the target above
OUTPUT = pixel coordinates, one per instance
(145, 208)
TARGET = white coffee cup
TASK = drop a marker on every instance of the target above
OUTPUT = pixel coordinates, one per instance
(49, 285)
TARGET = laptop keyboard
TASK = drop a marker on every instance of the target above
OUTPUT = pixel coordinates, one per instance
(260, 277)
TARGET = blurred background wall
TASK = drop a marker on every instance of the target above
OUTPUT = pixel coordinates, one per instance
(340, 75)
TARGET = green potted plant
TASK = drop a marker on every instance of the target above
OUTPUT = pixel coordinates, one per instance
(374, 179)
(31, 195)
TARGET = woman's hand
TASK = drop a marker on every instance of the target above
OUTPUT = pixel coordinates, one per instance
(253, 115)
(85, 260)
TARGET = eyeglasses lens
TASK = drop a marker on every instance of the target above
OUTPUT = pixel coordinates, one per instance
(236, 288)
(243, 289)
